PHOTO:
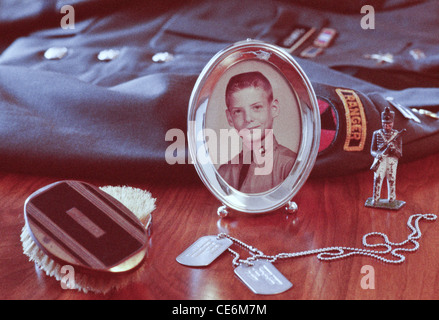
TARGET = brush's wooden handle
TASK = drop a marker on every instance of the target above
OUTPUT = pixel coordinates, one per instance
(78, 224)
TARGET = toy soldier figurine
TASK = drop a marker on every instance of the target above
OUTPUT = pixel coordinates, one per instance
(386, 149)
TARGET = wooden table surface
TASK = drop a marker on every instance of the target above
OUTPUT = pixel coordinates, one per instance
(331, 213)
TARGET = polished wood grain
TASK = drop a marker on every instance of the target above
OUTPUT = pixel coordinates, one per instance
(331, 212)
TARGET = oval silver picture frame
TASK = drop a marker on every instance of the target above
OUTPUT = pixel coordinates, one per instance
(253, 96)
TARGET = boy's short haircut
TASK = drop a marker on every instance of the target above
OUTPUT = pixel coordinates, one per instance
(246, 80)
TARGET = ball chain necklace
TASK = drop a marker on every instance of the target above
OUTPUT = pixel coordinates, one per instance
(261, 276)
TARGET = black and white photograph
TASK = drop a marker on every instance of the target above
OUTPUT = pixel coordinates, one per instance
(263, 122)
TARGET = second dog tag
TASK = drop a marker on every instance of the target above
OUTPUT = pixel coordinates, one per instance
(263, 278)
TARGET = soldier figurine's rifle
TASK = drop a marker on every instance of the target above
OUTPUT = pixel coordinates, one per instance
(379, 156)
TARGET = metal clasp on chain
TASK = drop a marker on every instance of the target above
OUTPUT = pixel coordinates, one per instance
(255, 253)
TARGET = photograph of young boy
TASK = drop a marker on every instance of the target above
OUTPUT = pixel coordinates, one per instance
(263, 163)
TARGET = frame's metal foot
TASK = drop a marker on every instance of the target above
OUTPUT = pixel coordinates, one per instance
(291, 207)
(222, 211)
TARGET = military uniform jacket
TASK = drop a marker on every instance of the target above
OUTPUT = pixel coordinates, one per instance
(99, 99)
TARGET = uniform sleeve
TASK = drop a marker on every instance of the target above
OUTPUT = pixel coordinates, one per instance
(374, 147)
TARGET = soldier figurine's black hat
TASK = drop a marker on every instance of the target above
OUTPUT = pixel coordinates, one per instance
(387, 115)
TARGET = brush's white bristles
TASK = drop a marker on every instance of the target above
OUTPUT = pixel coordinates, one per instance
(139, 202)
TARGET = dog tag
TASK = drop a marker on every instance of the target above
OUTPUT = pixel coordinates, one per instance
(204, 251)
(263, 278)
